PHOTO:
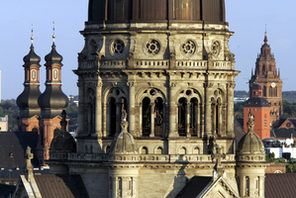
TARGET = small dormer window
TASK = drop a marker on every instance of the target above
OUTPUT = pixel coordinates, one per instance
(11, 155)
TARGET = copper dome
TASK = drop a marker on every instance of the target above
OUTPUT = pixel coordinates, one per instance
(114, 11)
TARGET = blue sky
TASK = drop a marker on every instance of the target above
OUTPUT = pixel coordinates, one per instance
(246, 18)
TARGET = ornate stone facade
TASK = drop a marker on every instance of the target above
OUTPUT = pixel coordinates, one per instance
(171, 84)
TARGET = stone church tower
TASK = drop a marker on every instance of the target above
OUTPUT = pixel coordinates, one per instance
(156, 80)
(268, 77)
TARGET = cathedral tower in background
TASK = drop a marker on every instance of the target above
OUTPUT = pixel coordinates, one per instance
(268, 78)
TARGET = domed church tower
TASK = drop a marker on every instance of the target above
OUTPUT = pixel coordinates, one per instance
(52, 101)
(166, 68)
(28, 100)
(251, 163)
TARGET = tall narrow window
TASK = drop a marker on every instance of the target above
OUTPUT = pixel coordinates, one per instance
(247, 186)
(258, 186)
(112, 115)
(194, 117)
(120, 186)
(158, 117)
(182, 107)
(146, 117)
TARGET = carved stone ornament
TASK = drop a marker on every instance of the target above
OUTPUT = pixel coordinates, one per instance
(152, 47)
(188, 48)
(117, 47)
(215, 48)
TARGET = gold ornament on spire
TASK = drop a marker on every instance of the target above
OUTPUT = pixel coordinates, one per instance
(53, 30)
(32, 34)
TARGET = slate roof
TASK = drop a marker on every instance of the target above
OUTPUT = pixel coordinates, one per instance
(257, 102)
(280, 185)
(195, 186)
(66, 186)
(6, 190)
(283, 133)
(13, 148)
(238, 130)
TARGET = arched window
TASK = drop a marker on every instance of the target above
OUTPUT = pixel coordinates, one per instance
(158, 117)
(189, 113)
(144, 151)
(196, 151)
(146, 117)
(193, 116)
(182, 107)
(153, 113)
(182, 151)
(159, 151)
(217, 113)
(116, 104)
(264, 91)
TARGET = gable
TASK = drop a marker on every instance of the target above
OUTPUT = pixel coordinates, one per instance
(220, 189)
(287, 124)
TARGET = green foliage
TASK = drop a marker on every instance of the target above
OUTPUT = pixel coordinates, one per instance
(72, 113)
(289, 109)
(289, 96)
(291, 168)
(9, 107)
(239, 110)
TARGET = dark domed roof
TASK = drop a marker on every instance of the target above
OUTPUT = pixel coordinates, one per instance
(29, 98)
(63, 141)
(54, 98)
(211, 11)
(31, 58)
(53, 57)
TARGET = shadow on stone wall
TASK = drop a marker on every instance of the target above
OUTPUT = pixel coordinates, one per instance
(180, 179)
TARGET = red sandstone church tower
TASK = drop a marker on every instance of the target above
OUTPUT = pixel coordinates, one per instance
(53, 101)
(260, 108)
(268, 78)
(27, 101)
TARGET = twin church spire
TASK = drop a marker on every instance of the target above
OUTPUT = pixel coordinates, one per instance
(40, 112)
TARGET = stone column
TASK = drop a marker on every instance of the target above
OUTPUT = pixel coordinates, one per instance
(132, 112)
(262, 186)
(207, 121)
(173, 112)
(252, 186)
(230, 117)
(188, 119)
(81, 112)
(118, 116)
(152, 134)
(98, 115)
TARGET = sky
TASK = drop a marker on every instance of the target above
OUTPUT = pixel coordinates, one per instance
(246, 18)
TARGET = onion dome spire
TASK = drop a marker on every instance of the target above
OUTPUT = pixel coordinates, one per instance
(27, 101)
(53, 101)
